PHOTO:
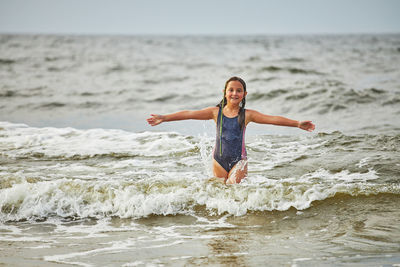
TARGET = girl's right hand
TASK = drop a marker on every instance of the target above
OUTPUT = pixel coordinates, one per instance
(306, 125)
(155, 119)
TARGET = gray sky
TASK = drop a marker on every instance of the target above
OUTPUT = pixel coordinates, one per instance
(199, 17)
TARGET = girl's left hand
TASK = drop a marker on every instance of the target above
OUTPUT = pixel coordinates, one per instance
(155, 119)
(306, 125)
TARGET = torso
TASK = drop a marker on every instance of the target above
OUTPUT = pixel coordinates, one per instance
(229, 148)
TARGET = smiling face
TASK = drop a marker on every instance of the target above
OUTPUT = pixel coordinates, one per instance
(234, 92)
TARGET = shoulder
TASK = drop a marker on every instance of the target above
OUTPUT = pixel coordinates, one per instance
(213, 111)
(213, 108)
(250, 112)
(253, 115)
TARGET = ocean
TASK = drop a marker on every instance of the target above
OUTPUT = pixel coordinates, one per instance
(85, 181)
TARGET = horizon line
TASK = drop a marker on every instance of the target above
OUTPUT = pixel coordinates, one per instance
(200, 34)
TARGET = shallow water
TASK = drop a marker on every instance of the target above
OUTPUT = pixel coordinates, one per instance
(104, 197)
(84, 181)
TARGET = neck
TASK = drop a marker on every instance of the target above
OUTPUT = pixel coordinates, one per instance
(231, 110)
(231, 107)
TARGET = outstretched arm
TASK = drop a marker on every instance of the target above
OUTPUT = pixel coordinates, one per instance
(257, 117)
(204, 114)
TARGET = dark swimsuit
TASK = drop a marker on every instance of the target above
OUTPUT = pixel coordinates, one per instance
(233, 147)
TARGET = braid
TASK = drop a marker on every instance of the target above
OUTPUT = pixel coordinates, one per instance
(242, 117)
(221, 106)
(222, 103)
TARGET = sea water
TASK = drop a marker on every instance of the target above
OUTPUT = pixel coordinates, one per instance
(85, 181)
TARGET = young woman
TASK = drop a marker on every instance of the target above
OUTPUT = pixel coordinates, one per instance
(231, 117)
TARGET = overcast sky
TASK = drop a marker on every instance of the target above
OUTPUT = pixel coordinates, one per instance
(199, 17)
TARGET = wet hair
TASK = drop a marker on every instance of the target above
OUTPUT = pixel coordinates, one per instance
(241, 115)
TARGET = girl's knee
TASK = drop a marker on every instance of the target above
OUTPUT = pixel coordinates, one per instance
(238, 172)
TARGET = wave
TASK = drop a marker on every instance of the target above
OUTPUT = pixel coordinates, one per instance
(263, 80)
(6, 61)
(348, 97)
(116, 68)
(390, 143)
(8, 93)
(268, 95)
(28, 92)
(329, 99)
(71, 173)
(290, 70)
(21, 142)
(51, 105)
(164, 98)
(294, 59)
(75, 198)
(394, 101)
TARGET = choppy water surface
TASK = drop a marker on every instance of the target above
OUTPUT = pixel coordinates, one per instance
(84, 181)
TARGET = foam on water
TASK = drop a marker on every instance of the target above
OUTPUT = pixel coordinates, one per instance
(168, 174)
(82, 199)
(71, 143)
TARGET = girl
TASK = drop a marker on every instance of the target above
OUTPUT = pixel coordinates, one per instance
(230, 159)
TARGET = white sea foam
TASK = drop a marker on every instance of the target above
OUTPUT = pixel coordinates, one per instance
(134, 264)
(22, 141)
(272, 153)
(82, 198)
(101, 228)
(159, 173)
(110, 247)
